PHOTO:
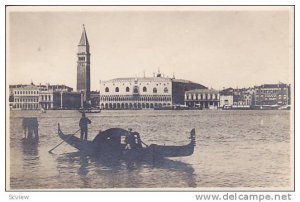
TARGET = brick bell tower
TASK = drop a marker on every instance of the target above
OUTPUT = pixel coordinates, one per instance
(83, 67)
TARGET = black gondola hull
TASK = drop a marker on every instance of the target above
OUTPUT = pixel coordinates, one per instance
(110, 149)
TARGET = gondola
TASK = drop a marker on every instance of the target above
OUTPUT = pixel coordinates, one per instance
(126, 143)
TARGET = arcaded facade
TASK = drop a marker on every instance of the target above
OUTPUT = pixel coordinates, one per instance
(136, 93)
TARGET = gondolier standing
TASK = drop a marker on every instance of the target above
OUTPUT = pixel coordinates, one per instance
(83, 123)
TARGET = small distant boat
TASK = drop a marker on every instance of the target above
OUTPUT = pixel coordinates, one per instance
(180, 107)
(163, 108)
(285, 107)
(43, 110)
(90, 110)
(123, 143)
(266, 107)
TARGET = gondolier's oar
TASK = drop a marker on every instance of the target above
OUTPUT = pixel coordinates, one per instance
(144, 143)
(50, 151)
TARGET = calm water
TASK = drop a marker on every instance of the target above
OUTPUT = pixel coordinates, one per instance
(235, 149)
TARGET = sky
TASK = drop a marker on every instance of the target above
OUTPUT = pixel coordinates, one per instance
(214, 46)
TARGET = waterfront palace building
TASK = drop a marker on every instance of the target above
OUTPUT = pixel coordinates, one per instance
(136, 93)
(143, 92)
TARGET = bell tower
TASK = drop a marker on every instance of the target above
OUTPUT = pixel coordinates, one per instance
(83, 67)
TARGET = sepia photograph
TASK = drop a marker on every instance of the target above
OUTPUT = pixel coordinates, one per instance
(150, 98)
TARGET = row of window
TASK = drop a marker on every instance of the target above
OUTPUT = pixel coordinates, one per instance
(26, 100)
(46, 97)
(243, 102)
(135, 82)
(148, 99)
(27, 106)
(26, 92)
(269, 91)
(47, 105)
(136, 89)
(201, 96)
(132, 105)
(271, 102)
(279, 96)
(43, 98)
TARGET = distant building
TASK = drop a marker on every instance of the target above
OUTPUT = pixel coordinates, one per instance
(226, 97)
(144, 92)
(272, 94)
(11, 91)
(179, 87)
(202, 98)
(83, 67)
(236, 98)
(32, 97)
(67, 100)
(226, 100)
(56, 87)
(246, 99)
(46, 98)
(95, 99)
(47, 93)
(26, 97)
(136, 93)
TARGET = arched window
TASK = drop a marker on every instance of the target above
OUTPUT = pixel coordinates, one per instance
(144, 89)
(166, 90)
(107, 89)
(135, 89)
(154, 90)
(117, 89)
(127, 89)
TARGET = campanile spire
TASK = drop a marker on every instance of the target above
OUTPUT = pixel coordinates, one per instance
(83, 66)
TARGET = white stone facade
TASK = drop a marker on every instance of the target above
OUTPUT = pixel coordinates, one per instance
(46, 99)
(26, 98)
(202, 98)
(136, 93)
(226, 100)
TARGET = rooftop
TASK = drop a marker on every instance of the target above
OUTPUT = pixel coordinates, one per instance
(148, 79)
(83, 40)
(203, 91)
(182, 81)
(142, 79)
(279, 85)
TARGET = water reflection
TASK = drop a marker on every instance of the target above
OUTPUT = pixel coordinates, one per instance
(29, 149)
(230, 145)
(132, 172)
(30, 140)
(83, 162)
(31, 130)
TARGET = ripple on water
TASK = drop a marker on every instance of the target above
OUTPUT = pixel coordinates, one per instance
(234, 149)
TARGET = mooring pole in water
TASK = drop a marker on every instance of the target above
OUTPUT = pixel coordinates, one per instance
(31, 131)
